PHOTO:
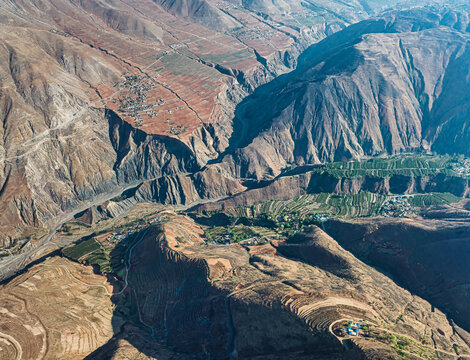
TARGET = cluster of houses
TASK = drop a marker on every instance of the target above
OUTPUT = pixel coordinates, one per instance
(224, 240)
(352, 329)
(255, 241)
(117, 237)
(177, 46)
(176, 129)
(397, 206)
(321, 217)
(134, 103)
(256, 32)
(463, 167)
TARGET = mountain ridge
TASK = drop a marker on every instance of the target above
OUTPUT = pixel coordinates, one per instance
(364, 91)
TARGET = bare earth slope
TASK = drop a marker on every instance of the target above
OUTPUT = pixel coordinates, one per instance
(428, 256)
(186, 299)
(108, 103)
(78, 78)
(395, 84)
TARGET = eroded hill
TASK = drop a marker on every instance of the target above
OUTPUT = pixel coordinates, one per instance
(99, 96)
(383, 86)
(180, 297)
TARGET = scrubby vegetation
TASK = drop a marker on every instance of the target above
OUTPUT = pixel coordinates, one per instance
(403, 345)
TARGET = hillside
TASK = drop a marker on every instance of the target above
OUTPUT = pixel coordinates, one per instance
(395, 84)
(234, 179)
(429, 256)
(98, 96)
(173, 296)
(111, 99)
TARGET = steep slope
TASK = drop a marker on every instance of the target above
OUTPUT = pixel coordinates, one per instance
(99, 96)
(395, 84)
(83, 114)
(429, 257)
(200, 11)
(66, 64)
(272, 301)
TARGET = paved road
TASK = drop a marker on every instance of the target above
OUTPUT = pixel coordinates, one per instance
(14, 263)
(128, 260)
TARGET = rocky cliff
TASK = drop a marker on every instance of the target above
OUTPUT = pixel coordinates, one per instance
(314, 182)
(93, 100)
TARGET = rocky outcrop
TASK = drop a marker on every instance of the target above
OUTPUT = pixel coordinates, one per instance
(396, 184)
(200, 11)
(63, 148)
(187, 189)
(62, 69)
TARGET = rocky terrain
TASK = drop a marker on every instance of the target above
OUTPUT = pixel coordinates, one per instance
(428, 256)
(110, 95)
(182, 298)
(378, 87)
(177, 179)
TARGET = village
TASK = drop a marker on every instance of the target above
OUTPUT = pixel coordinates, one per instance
(397, 206)
(462, 167)
(118, 236)
(136, 104)
(262, 229)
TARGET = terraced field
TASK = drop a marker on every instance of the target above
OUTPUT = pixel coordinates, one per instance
(249, 301)
(355, 205)
(195, 298)
(403, 164)
(57, 310)
(408, 165)
(426, 200)
(283, 218)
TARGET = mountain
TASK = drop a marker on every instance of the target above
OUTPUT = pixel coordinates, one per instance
(99, 96)
(398, 83)
(184, 300)
(428, 256)
(170, 185)
(200, 11)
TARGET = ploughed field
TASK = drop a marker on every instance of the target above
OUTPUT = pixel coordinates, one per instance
(58, 309)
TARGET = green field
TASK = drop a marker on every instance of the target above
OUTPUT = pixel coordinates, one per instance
(108, 259)
(407, 165)
(229, 234)
(81, 249)
(425, 200)
(302, 207)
